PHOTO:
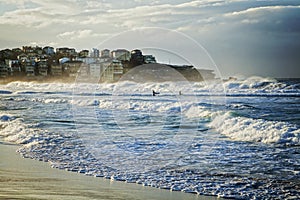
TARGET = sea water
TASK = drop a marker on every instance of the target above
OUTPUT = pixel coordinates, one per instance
(235, 139)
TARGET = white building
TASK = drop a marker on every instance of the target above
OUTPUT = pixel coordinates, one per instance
(95, 70)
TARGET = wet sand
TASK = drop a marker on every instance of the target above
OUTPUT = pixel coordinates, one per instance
(29, 179)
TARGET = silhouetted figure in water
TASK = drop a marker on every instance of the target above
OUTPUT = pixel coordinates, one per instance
(154, 93)
(180, 93)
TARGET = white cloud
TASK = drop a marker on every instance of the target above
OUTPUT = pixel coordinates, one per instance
(273, 19)
(257, 10)
(79, 34)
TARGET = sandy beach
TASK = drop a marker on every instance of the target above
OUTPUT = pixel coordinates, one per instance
(29, 179)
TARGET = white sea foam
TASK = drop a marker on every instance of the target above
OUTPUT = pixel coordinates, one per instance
(137, 96)
(249, 86)
(15, 131)
(259, 85)
(256, 130)
(56, 101)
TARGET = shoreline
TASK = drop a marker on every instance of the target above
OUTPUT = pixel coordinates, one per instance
(30, 179)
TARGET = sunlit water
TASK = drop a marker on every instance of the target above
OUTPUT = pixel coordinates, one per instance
(242, 142)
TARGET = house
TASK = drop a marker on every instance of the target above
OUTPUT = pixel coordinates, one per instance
(95, 70)
(84, 53)
(111, 71)
(117, 70)
(105, 53)
(14, 66)
(42, 67)
(66, 52)
(30, 51)
(3, 70)
(56, 70)
(38, 50)
(29, 68)
(107, 74)
(72, 68)
(84, 70)
(6, 54)
(95, 53)
(17, 50)
(48, 50)
(136, 57)
(149, 59)
(22, 57)
(121, 54)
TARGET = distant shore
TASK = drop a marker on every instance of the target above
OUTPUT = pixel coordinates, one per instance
(29, 179)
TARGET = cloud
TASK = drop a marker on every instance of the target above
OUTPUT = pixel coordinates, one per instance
(276, 19)
(79, 34)
(259, 10)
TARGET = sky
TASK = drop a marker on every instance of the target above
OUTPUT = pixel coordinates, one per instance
(241, 37)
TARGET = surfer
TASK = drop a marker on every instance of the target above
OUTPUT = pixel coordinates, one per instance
(154, 93)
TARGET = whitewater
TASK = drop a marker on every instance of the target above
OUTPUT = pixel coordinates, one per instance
(233, 139)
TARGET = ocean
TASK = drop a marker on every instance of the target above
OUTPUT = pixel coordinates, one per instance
(233, 139)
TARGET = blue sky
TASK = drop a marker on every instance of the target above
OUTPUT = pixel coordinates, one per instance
(243, 37)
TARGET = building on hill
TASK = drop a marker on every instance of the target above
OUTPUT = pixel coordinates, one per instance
(48, 50)
(95, 70)
(107, 74)
(66, 52)
(29, 68)
(105, 53)
(6, 54)
(95, 53)
(29, 50)
(120, 54)
(84, 71)
(4, 72)
(17, 50)
(136, 57)
(72, 68)
(149, 59)
(83, 53)
(14, 66)
(42, 67)
(117, 70)
(111, 71)
(56, 70)
(22, 57)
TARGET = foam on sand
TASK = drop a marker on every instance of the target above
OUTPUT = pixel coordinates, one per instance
(30, 179)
